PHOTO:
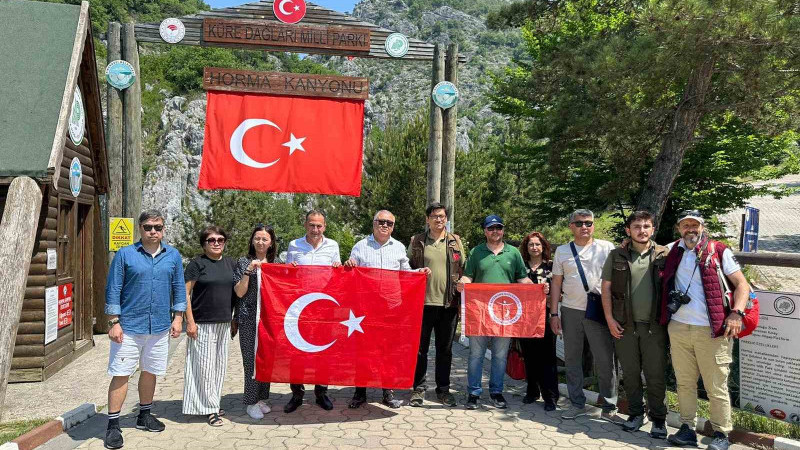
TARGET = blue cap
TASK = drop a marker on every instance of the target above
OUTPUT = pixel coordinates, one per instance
(492, 220)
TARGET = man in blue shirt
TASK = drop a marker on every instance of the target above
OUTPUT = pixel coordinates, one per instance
(145, 288)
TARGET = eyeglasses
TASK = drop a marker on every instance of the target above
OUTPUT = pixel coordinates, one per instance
(148, 227)
(580, 223)
(382, 222)
(495, 228)
(438, 216)
(215, 241)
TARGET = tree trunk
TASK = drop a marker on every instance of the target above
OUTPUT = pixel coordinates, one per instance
(667, 165)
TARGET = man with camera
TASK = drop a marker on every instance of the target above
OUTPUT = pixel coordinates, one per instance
(702, 322)
(577, 267)
(631, 291)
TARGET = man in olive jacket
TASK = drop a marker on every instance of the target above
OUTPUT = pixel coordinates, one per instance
(631, 292)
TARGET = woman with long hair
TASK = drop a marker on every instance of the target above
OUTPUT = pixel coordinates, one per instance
(262, 250)
(540, 353)
(210, 303)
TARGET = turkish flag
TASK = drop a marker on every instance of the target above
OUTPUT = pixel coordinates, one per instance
(282, 144)
(339, 326)
(504, 310)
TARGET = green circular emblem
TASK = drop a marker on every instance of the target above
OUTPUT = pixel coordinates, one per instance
(120, 74)
(396, 45)
(445, 94)
(77, 118)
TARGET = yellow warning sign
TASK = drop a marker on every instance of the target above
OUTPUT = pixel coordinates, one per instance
(120, 233)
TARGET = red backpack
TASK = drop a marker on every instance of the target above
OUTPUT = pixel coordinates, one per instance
(751, 311)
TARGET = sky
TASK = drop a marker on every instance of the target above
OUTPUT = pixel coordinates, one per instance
(338, 5)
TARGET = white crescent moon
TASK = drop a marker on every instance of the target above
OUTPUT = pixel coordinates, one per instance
(236, 142)
(280, 6)
(292, 320)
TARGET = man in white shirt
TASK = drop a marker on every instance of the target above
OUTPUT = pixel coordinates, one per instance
(380, 251)
(701, 323)
(574, 324)
(313, 249)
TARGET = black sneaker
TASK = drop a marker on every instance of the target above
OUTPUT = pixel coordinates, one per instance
(658, 430)
(684, 437)
(390, 401)
(324, 402)
(293, 404)
(150, 423)
(446, 398)
(499, 401)
(113, 438)
(472, 402)
(720, 442)
(529, 398)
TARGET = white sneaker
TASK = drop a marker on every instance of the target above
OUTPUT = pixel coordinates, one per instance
(264, 407)
(255, 412)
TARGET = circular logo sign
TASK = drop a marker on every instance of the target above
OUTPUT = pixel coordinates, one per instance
(77, 118)
(396, 45)
(778, 414)
(445, 94)
(500, 308)
(120, 74)
(784, 305)
(172, 30)
(75, 177)
(289, 11)
(794, 418)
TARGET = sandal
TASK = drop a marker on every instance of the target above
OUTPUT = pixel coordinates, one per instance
(214, 420)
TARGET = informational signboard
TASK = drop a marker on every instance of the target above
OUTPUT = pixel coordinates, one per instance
(769, 359)
(50, 314)
(750, 230)
(120, 233)
(259, 32)
(283, 83)
(64, 305)
(52, 259)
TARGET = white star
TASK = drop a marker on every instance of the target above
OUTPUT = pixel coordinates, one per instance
(294, 144)
(353, 323)
(296, 8)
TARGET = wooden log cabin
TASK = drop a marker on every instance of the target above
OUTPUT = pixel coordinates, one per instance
(52, 126)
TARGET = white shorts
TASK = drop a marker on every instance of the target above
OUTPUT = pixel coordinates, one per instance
(149, 350)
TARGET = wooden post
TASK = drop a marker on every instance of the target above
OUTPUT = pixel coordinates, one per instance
(435, 141)
(132, 131)
(18, 234)
(449, 121)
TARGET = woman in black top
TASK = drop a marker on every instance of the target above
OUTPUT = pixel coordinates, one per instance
(540, 353)
(210, 301)
(263, 247)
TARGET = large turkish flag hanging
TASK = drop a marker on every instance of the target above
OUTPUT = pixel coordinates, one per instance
(282, 144)
(339, 326)
(504, 310)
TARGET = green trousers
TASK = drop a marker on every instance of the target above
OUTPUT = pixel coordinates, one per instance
(643, 349)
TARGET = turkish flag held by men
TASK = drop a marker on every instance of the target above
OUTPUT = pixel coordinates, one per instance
(504, 310)
(339, 326)
(275, 143)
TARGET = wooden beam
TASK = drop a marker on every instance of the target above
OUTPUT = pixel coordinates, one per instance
(449, 122)
(435, 136)
(132, 131)
(282, 83)
(774, 259)
(113, 137)
(263, 32)
(18, 232)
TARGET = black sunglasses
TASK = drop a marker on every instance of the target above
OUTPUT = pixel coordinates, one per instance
(494, 228)
(580, 223)
(212, 241)
(149, 227)
(388, 223)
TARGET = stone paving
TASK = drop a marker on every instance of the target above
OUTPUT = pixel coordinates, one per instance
(778, 232)
(371, 426)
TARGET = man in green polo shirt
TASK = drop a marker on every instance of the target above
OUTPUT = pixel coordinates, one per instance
(631, 290)
(492, 262)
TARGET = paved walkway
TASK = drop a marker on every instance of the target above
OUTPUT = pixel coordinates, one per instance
(372, 426)
(778, 232)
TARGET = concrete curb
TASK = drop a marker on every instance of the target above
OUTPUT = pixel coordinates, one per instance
(51, 429)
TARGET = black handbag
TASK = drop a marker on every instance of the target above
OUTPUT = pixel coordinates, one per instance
(594, 302)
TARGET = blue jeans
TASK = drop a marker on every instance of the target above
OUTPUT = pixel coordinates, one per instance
(477, 350)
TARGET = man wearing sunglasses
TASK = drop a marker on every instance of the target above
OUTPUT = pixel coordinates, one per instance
(577, 269)
(380, 251)
(144, 286)
(491, 262)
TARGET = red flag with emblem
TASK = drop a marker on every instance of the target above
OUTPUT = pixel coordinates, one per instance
(282, 144)
(339, 326)
(504, 310)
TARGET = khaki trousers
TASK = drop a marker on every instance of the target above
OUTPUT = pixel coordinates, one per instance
(696, 354)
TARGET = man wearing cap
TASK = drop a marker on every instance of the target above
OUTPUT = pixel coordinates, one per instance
(701, 324)
(491, 262)
(569, 288)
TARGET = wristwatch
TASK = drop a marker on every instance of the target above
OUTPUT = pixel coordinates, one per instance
(113, 322)
(740, 312)
(555, 314)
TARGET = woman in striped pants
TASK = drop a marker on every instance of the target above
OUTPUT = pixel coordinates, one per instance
(209, 294)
